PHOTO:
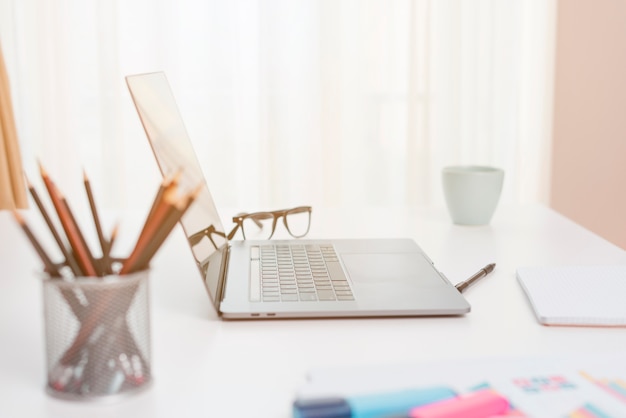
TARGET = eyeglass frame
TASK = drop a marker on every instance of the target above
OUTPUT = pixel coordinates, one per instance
(276, 214)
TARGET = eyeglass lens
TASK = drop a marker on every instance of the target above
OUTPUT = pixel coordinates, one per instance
(258, 226)
(298, 222)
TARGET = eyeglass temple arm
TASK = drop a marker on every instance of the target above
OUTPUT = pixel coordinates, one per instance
(232, 233)
(207, 232)
(210, 233)
(237, 220)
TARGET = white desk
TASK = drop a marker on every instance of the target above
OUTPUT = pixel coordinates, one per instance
(206, 367)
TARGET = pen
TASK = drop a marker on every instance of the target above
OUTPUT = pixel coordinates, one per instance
(481, 273)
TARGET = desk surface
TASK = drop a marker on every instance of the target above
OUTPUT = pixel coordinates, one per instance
(204, 366)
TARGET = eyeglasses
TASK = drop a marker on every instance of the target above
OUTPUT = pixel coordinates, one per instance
(256, 225)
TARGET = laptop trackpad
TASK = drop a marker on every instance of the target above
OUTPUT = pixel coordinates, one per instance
(386, 268)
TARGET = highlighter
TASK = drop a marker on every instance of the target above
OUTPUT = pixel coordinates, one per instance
(370, 405)
(484, 403)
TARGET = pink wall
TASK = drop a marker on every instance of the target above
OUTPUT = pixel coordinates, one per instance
(589, 137)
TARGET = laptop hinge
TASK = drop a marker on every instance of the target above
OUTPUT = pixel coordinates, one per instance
(223, 275)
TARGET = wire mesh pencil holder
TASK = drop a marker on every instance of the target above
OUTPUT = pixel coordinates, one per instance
(97, 333)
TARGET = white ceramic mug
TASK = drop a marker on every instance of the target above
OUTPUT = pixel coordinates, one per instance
(472, 193)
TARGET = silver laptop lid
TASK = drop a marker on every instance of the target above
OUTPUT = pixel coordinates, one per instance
(174, 153)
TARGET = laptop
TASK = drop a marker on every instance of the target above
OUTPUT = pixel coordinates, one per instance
(308, 278)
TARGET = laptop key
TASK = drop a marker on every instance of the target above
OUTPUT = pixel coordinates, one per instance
(343, 293)
(270, 293)
(307, 297)
(335, 271)
(255, 281)
(325, 294)
(290, 297)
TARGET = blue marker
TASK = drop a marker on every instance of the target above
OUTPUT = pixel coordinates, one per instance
(370, 406)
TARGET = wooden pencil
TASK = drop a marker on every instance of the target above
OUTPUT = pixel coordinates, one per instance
(167, 183)
(71, 299)
(168, 225)
(94, 212)
(83, 256)
(49, 265)
(106, 257)
(69, 258)
(163, 210)
(79, 234)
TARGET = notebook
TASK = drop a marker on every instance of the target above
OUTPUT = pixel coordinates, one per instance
(576, 295)
(378, 277)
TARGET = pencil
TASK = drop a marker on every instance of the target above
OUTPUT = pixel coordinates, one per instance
(83, 257)
(163, 210)
(49, 265)
(69, 259)
(106, 257)
(94, 212)
(168, 225)
(71, 299)
(82, 243)
(167, 183)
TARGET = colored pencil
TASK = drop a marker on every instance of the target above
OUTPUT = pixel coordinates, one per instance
(83, 257)
(71, 299)
(82, 243)
(50, 266)
(168, 225)
(167, 183)
(106, 257)
(69, 258)
(94, 212)
(153, 223)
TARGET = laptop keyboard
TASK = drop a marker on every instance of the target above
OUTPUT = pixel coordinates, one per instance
(292, 273)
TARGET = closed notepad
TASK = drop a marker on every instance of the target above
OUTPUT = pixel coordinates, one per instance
(576, 295)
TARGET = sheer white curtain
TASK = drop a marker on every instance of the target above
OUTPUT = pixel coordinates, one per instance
(310, 102)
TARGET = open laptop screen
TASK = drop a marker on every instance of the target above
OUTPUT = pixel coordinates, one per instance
(174, 153)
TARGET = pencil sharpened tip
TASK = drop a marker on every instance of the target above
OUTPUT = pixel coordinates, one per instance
(489, 268)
